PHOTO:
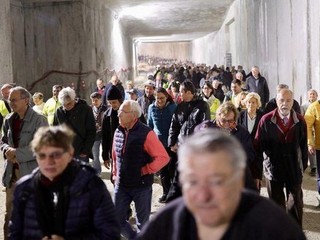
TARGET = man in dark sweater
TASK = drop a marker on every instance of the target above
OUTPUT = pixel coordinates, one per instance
(77, 114)
(214, 205)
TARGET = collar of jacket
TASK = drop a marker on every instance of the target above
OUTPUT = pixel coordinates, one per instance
(292, 113)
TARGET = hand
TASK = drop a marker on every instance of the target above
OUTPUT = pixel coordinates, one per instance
(311, 150)
(174, 148)
(106, 163)
(13, 160)
(10, 153)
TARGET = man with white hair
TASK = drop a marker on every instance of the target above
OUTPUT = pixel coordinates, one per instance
(214, 203)
(77, 114)
(282, 136)
(137, 154)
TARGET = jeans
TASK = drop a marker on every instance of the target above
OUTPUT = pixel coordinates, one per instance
(141, 196)
(312, 160)
(96, 156)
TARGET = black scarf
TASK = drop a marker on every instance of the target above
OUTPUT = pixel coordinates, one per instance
(52, 199)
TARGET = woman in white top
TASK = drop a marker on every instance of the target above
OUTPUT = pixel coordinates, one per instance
(38, 102)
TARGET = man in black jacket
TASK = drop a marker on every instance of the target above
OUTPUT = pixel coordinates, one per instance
(257, 83)
(77, 114)
(188, 114)
(214, 204)
(110, 123)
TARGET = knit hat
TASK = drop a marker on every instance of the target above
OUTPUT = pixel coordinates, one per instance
(113, 93)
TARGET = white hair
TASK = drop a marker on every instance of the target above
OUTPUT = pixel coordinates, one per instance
(212, 141)
(66, 95)
(134, 107)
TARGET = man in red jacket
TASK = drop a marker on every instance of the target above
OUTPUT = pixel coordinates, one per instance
(281, 135)
(137, 154)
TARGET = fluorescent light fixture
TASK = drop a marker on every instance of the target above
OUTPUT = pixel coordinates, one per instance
(140, 11)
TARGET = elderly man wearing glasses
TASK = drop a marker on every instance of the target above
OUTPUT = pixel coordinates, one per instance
(214, 204)
(18, 130)
(137, 154)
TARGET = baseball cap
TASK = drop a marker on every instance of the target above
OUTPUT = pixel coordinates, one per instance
(150, 83)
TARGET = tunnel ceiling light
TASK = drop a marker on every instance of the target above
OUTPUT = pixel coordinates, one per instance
(139, 12)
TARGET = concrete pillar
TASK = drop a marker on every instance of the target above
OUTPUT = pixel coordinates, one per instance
(6, 75)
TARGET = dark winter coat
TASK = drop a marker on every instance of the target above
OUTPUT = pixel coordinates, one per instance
(253, 220)
(89, 211)
(283, 163)
(262, 89)
(81, 120)
(109, 125)
(243, 121)
(185, 118)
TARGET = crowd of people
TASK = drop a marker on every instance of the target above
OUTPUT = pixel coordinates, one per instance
(211, 134)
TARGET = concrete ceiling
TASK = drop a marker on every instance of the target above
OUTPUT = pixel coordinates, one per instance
(169, 20)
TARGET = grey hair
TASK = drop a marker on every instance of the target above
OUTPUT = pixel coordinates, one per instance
(24, 93)
(66, 95)
(282, 86)
(134, 107)
(283, 91)
(313, 90)
(211, 141)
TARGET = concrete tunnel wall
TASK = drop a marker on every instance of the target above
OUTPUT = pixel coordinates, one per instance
(70, 37)
(6, 74)
(280, 36)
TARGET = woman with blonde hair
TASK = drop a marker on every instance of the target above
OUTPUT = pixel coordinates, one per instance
(250, 117)
(239, 101)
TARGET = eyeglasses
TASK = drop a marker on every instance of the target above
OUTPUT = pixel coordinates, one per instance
(54, 155)
(122, 111)
(224, 121)
(14, 100)
(214, 183)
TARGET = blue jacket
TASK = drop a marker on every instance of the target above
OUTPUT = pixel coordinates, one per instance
(160, 120)
(90, 212)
